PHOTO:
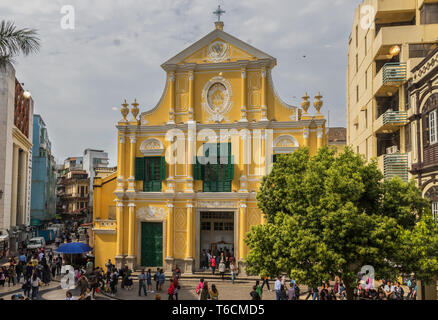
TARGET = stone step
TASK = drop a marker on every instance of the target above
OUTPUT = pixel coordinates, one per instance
(206, 275)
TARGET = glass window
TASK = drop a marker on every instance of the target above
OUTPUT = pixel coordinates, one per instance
(228, 226)
(408, 139)
(435, 210)
(432, 127)
(205, 226)
(218, 226)
(421, 50)
(429, 13)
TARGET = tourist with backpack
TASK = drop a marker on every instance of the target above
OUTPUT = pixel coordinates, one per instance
(199, 288)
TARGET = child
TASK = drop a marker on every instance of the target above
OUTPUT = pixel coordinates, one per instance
(176, 292)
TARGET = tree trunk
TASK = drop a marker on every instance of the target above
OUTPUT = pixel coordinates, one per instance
(349, 290)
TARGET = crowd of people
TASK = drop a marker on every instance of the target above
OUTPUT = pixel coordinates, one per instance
(219, 260)
(387, 290)
(31, 269)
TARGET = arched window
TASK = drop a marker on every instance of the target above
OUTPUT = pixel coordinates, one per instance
(432, 195)
(430, 121)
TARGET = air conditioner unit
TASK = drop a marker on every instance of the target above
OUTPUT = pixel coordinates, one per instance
(392, 150)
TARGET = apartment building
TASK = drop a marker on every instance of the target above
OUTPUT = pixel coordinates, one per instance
(43, 201)
(388, 40)
(16, 122)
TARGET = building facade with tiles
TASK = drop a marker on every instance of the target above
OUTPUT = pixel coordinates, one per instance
(189, 169)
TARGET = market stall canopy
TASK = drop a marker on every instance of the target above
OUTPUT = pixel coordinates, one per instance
(74, 248)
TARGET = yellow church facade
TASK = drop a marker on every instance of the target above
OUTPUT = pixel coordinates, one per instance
(188, 170)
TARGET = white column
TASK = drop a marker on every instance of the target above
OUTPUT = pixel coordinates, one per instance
(14, 193)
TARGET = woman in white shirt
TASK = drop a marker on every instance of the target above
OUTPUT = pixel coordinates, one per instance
(35, 285)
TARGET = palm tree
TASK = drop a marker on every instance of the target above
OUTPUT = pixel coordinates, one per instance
(13, 41)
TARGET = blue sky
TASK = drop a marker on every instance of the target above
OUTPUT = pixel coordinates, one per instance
(115, 51)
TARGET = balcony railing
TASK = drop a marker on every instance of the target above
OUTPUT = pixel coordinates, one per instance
(105, 226)
(394, 73)
(395, 117)
(395, 165)
(390, 121)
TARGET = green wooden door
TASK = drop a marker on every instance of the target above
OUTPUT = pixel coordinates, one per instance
(152, 244)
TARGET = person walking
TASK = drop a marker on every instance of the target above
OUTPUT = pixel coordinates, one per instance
(315, 294)
(113, 283)
(399, 292)
(198, 289)
(19, 271)
(162, 279)
(149, 281)
(214, 293)
(222, 268)
(12, 274)
(27, 286)
(213, 264)
(83, 284)
(277, 288)
(36, 282)
(171, 290)
(259, 288)
(291, 291)
(204, 292)
(266, 281)
(142, 283)
(233, 269)
(157, 279)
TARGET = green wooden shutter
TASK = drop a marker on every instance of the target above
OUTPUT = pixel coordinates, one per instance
(139, 169)
(163, 169)
(230, 169)
(197, 170)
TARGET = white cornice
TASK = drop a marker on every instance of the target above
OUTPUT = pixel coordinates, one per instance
(313, 123)
(132, 196)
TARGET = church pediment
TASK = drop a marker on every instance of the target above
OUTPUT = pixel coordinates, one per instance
(218, 47)
(217, 51)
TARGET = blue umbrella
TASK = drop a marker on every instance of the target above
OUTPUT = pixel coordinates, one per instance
(74, 248)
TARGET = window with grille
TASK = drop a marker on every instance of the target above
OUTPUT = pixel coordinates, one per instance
(432, 127)
(435, 210)
(218, 226)
(429, 13)
(205, 226)
(228, 226)
(421, 50)
(150, 170)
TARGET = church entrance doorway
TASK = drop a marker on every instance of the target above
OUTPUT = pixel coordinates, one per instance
(151, 244)
(217, 232)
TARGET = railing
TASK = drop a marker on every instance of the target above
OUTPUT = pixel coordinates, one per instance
(394, 72)
(395, 165)
(105, 225)
(394, 117)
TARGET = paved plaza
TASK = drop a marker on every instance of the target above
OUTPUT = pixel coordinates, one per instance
(227, 291)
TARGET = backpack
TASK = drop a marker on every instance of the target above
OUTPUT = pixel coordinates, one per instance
(199, 288)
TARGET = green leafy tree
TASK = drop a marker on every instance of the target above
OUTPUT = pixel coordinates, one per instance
(14, 41)
(330, 214)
